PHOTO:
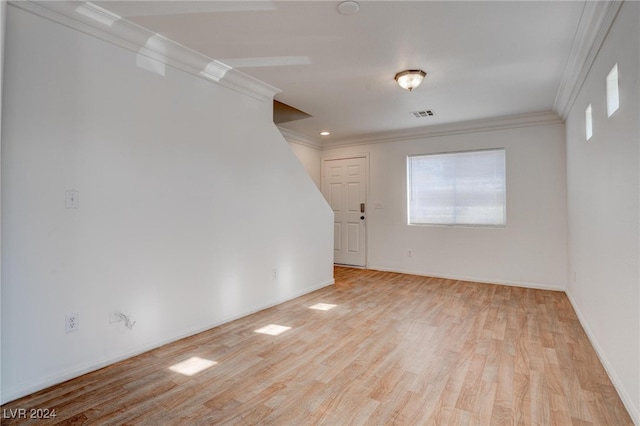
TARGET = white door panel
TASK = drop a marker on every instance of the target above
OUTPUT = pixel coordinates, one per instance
(353, 197)
(344, 187)
(335, 197)
(337, 241)
(353, 238)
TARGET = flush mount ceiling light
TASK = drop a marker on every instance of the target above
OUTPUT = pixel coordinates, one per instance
(348, 7)
(410, 79)
(325, 133)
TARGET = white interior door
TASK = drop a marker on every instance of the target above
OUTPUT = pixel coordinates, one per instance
(344, 187)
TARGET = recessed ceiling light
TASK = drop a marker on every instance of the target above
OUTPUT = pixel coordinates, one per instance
(324, 133)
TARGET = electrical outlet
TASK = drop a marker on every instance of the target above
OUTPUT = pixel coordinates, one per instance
(71, 323)
(409, 253)
(275, 274)
(114, 314)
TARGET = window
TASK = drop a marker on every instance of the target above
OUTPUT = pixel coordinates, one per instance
(462, 188)
(588, 122)
(613, 97)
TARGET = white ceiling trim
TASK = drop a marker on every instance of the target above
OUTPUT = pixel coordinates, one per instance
(474, 126)
(98, 22)
(299, 138)
(597, 18)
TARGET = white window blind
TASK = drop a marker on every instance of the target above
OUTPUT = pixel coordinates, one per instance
(463, 188)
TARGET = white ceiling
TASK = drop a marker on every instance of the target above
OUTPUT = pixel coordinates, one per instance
(482, 58)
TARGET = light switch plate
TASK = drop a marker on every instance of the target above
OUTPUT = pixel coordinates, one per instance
(72, 199)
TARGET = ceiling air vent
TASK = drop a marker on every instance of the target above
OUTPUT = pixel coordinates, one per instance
(423, 113)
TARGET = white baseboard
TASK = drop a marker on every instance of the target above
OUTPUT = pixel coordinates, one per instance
(77, 371)
(617, 384)
(538, 286)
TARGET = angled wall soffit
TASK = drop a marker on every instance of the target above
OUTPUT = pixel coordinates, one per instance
(283, 113)
(101, 23)
(595, 22)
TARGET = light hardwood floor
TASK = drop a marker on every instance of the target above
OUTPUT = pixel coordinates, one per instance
(396, 349)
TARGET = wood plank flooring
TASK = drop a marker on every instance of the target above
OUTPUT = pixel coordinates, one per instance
(396, 349)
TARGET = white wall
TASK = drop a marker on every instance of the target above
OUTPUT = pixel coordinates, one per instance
(3, 21)
(186, 207)
(603, 209)
(530, 250)
(309, 158)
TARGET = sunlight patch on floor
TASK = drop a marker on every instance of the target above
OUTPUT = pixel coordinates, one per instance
(322, 306)
(273, 329)
(192, 366)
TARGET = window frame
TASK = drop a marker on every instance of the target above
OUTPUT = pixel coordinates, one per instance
(613, 91)
(456, 225)
(588, 122)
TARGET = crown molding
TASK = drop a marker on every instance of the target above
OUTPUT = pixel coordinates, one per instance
(105, 25)
(299, 138)
(595, 22)
(474, 126)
